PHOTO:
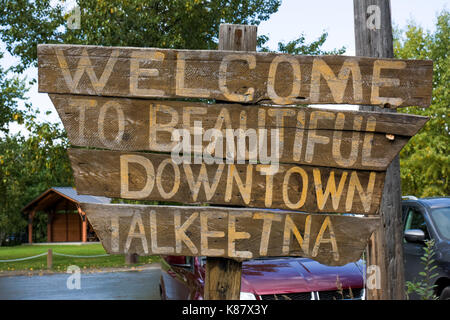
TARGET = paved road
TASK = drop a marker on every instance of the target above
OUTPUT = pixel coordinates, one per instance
(128, 285)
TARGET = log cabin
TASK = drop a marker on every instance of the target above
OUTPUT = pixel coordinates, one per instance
(66, 220)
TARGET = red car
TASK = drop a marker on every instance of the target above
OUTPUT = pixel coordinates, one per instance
(283, 278)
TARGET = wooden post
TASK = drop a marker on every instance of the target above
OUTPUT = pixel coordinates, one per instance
(223, 276)
(223, 279)
(84, 229)
(50, 259)
(373, 38)
(131, 258)
(83, 225)
(237, 37)
(49, 225)
(30, 226)
(67, 223)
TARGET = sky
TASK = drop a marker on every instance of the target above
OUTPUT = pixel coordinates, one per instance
(312, 17)
(294, 17)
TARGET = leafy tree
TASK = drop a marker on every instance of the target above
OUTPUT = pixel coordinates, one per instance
(187, 24)
(425, 160)
(182, 24)
(298, 46)
(29, 166)
(12, 89)
(23, 24)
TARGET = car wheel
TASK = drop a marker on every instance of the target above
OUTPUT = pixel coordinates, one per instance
(445, 294)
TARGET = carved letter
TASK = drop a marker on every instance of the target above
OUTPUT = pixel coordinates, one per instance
(246, 189)
(304, 177)
(125, 192)
(290, 227)
(176, 178)
(136, 220)
(205, 233)
(378, 82)
(135, 72)
(180, 232)
(267, 226)
(322, 197)
(233, 235)
(248, 95)
(336, 85)
(84, 65)
(154, 236)
(180, 89)
(332, 239)
(296, 83)
(366, 196)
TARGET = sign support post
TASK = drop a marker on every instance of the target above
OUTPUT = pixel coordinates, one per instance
(223, 276)
(373, 38)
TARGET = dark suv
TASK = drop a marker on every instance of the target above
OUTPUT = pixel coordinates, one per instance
(426, 219)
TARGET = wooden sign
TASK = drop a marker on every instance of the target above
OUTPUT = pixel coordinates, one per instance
(272, 155)
(148, 176)
(338, 139)
(229, 232)
(244, 77)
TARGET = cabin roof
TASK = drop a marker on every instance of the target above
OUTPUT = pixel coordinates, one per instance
(53, 196)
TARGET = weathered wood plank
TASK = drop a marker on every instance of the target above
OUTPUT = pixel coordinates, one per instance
(245, 77)
(148, 176)
(229, 232)
(341, 139)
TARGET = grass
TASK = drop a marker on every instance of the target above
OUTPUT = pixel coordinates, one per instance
(61, 263)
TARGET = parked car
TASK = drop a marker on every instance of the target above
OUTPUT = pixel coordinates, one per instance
(281, 278)
(14, 239)
(426, 219)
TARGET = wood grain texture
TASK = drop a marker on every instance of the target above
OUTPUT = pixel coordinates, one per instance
(222, 275)
(376, 41)
(385, 248)
(239, 234)
(222, 279)
(233, 76)
(237, 37)
(341, 139)
(148, 176)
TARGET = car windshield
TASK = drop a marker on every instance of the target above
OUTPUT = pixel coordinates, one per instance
(441, 219)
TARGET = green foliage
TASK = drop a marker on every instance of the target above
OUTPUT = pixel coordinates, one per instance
(425, 288)
(187, 24)
(12, 89)
(181, 24)
(28, 166)
(425, 160)
(298, 46)
(24, 23)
